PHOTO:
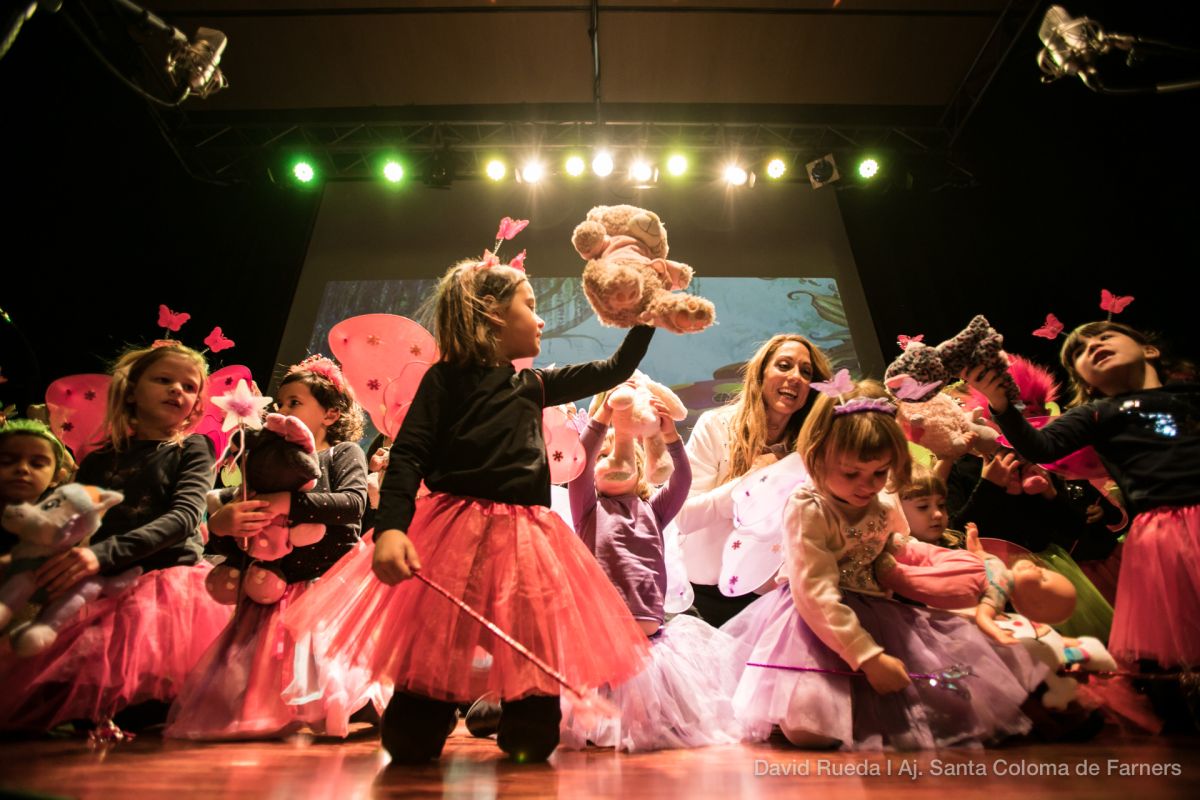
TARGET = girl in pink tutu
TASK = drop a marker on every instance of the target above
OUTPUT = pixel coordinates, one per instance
(1147, 434)
(258, 680)
(127, 656)
(486, 533)
(832, 617)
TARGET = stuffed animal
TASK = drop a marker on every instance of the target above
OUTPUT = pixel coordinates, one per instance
(944, 427)
(628, 279)
(978, 345)
(633, 418)
(280, 459)
(66, 518)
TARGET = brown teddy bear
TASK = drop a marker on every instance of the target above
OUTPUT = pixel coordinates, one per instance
(628, 279)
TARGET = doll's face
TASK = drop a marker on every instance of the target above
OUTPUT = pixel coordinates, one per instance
(927, 516)
(1041, 594)
(27, 468)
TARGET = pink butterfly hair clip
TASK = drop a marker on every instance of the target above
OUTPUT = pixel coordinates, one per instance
(841, 385)
(1112, 303)
(1050, 329)
(509, 228)
(325, 367)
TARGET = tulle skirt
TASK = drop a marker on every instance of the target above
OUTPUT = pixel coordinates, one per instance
(1093, 615)
(683, 698)
(847, 709)
(1157, 614)
(520, 566)
(258, 680)
(123, 650)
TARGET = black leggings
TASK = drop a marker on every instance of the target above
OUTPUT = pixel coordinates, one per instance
(415, 728)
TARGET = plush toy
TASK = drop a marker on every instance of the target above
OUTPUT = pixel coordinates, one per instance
(280, 459)
(944, 427)
(628, 279)
(978, 345)
(633, 417)
(66, 518)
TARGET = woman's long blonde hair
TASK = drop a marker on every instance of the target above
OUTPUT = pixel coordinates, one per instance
(748, 424)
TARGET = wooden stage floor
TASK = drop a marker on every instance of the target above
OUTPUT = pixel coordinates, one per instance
(1143, 768)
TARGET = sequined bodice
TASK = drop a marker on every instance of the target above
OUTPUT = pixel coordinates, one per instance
(865, 540)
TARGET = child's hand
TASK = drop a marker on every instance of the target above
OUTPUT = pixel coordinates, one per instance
(1000, 635)
(395, 557)
(380, 460)
(1095, 513)
(999, 469)
(665, 423)
(988, 382)
(65, 570)
(973, 544)
(887, 674)
(241, 518)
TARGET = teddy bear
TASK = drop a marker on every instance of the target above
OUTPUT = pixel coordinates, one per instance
(281, 458)
(977, 345)
(64, 519)
(633, 417)
(943, 427)
(628, 279)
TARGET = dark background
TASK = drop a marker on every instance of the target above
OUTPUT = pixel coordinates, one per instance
(1075, 192)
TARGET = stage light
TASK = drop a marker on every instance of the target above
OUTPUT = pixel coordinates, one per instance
(822, 171)
(868, 168)
(602, 164)
(532, 172)
(641, 171)
(393, 171)
(677, 164)
(736, 175)
(776, 168)
(303, 171)
(575, 166)
(496, 169)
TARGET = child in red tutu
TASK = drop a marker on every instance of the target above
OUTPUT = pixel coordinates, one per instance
(134, 649)
(486, 533)
(1147, 434)
(245, 685)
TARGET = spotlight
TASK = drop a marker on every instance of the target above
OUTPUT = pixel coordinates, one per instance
(822, 171)
(441, 170)
(677, 164)
(532, 172)
(602, 164)
(736, 176)
(776, 168)
(641, 171)
(868, 168)
(393, 171)
(496, 169)
(575, 166)
(303, 171)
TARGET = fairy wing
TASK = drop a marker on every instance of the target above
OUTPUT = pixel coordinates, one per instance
(563, 450)
(383, 357)
(77, 404)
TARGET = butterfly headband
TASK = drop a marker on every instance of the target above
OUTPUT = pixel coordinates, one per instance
(841, 385)
(1113, 304)
(171, 321)
(325, 367)
(509, 228)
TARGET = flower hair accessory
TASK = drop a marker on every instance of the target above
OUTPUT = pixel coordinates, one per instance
(509, 228)
(325, 367)
(841, 385)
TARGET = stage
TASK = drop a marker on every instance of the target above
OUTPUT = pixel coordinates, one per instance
(1110, 766)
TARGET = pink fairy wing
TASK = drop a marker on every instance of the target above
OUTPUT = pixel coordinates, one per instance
(77, 404)
(1082, 465)
(220, 383)
(754, 550)
(840, 384)
(383, 354)
(564, 453)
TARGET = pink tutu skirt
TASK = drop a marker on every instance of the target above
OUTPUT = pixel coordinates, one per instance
(134, 647)
(519, 566)
(1157, 613)
(259, 680)
(683, 697)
